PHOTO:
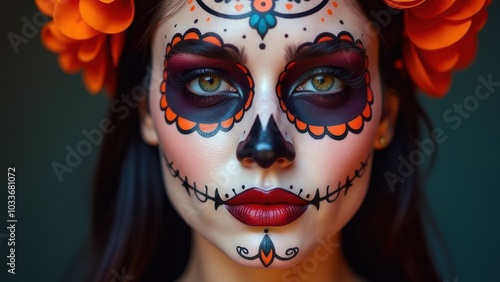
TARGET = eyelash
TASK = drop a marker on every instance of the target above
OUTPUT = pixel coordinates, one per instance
(181, 80)
(348, 79)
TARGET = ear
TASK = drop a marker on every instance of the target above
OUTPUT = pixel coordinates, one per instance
(385, 131)
(148, 131)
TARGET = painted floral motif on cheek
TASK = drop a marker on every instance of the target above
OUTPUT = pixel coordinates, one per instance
(336, 130)
(187, 125)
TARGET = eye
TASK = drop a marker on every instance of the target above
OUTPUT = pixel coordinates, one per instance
(321, 82)
(209, 84)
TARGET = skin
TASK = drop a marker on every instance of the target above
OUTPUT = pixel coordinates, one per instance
(211, 159)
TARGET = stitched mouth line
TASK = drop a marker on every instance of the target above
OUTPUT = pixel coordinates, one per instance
(202, 195)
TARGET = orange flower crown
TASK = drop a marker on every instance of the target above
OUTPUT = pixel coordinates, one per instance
(89, 36)
(440, 36)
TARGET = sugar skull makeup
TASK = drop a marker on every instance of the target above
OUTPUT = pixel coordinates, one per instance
(262, 14)
(208, 90)
(326, 90)
(266, 114)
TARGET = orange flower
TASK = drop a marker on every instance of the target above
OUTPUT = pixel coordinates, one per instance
(403, 4)
(89, 36)
(441, 37)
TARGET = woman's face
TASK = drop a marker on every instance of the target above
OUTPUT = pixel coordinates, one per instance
(266, 114)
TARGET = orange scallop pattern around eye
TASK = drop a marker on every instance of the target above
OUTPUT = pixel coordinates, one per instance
(338, 131)
(184, 125)
(213, 40)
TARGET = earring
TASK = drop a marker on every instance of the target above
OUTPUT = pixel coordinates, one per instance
(382, 140)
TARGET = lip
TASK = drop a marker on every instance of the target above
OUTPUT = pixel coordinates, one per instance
(276, 207)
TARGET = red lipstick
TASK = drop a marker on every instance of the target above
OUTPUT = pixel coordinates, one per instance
(276, 207)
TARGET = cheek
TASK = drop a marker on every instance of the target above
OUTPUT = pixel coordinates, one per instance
(333, 163)
(196, 161)
(204, 161)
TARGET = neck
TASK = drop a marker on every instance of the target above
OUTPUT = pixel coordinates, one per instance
(207, 264)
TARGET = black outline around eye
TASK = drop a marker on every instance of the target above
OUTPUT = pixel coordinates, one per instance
(182, 80)
(321, 70)
(337, 131)
(185, 125)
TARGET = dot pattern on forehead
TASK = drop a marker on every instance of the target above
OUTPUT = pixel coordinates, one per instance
(262, 14)
(329, 11)
(185, 125)
(335, 131)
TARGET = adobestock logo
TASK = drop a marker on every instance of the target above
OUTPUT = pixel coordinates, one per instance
(93, 138)
(454, 116)
(302, 271)
(29, 29)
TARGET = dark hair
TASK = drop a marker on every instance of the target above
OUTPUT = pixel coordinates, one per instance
(384, 241)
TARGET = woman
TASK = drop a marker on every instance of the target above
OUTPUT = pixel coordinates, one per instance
(273, 126)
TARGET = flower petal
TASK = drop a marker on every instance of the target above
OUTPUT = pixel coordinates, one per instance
(403, 4)
(435, 33)
(109, 16)
(95, 73)
(432, 8)
(441, 60)
(54, 40)
(461, 11)
(69, 62)
(436, 84)
(468, 54)
(117, 42)
(46, 6)
(90, 48)
(69, 21)
(478, 21)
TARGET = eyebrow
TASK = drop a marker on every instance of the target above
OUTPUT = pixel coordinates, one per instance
(313, 50)
(205, 49)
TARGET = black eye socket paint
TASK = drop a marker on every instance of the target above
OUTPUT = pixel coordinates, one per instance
(336, 112)
(191, 57)
(210, 107)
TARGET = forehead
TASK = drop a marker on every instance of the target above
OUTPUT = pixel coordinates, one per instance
(266, 25)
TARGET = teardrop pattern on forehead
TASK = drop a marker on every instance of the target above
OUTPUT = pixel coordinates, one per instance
(335, 131)
(184, 125)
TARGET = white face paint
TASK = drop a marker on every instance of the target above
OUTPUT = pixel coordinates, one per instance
(211, 100)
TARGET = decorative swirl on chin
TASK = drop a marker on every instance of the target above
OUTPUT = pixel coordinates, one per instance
(291, 253)
(267, 252)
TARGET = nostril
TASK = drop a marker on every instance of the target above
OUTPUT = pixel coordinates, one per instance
(265, 146)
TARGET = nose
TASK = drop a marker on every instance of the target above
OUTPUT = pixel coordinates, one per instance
(265, 146)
